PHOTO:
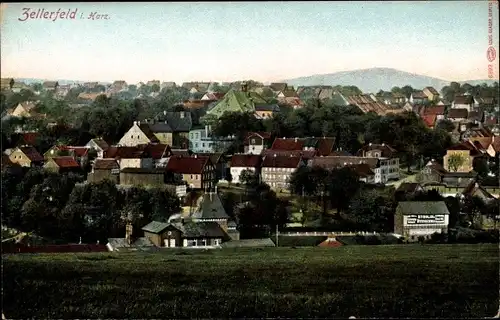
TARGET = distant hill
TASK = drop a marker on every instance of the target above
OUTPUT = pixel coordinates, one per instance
(375, 79)
(61, 82)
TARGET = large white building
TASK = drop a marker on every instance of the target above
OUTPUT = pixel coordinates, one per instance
(243, 162)
(414, 219)
(387, 168)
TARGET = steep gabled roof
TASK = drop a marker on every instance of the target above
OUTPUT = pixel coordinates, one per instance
(31, 153)
(464, 99)
(288, 144)
(423, 207)
(387, 151)
(278, 86)
(245, 160)
(106, 164)
(331, 162)
(65, 162)
(146, 129)
(187, 165)
(458, 113)
(210, 207)
(237, 101)
(432, 90)
(281, 162)
(287, 153)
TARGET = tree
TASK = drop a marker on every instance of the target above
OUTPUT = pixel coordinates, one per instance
(445, 125)
(370, 210)
(455, 161)
(155, 88)
(481, 166)
(407, 90)
(249, 178)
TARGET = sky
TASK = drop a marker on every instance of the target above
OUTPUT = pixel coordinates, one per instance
(229, 41)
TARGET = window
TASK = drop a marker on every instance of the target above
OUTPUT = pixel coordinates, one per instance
(202, 242)
(216, 242)
(191, 243)
(203, 145)
(191, 176)
(253, 141)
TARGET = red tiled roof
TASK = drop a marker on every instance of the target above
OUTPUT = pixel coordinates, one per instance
(31, 153)
(262, 134)
(281, 162)
(66, 162)
(155, 150)
(458, 113)
(387, 151)
(325, 146)
(106, 164)
(331, 162)
(491, 121)
(294, 153)
(288, 144)
(123, 152)
(187, 165)
(245, 160)
(429, 120)
(464, 100)
(433, 110)
(362, 169)
(330, 244)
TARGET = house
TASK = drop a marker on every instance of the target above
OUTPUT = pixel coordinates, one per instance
(172, 128)
(26, 156)
(458, 115)
(146, 177)
(305, 155)
(242, 162)
(431, 93)
(203, 141)
(6, 83)
(209, 208)
(105, 169)
(80, 154)
(197, 172)
(418, 97)
(368, 104)
(130, 157)
(212, 96)
(278, 86)
(99, 145)
(388, 160)
(18, 86)
(119, 85)
(362, 169)
(322, 146)
(62, 164)
(379, 166)
(256, 142)
(50, 85)
(237, 101)
(7, 165)
(288, 96)
(140, 133)
(476, 117)
(24, 109)
(168, 85)
(463, 102)
(434, 174)
(153, 82)
(186, 233)
(218, 160)
(129, 243)
(437, 111)
(277, 170)
(459, 158)
(266, 111)
(409, 188)
(414, 219)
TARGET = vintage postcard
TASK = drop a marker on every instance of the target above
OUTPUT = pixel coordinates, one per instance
(302, 159)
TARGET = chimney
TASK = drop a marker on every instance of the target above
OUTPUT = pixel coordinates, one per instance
(182, 114)
(128, 233)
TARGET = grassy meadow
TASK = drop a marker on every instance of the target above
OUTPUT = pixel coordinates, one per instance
(451, 281)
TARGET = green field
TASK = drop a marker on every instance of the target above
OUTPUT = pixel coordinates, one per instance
(451, 281)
